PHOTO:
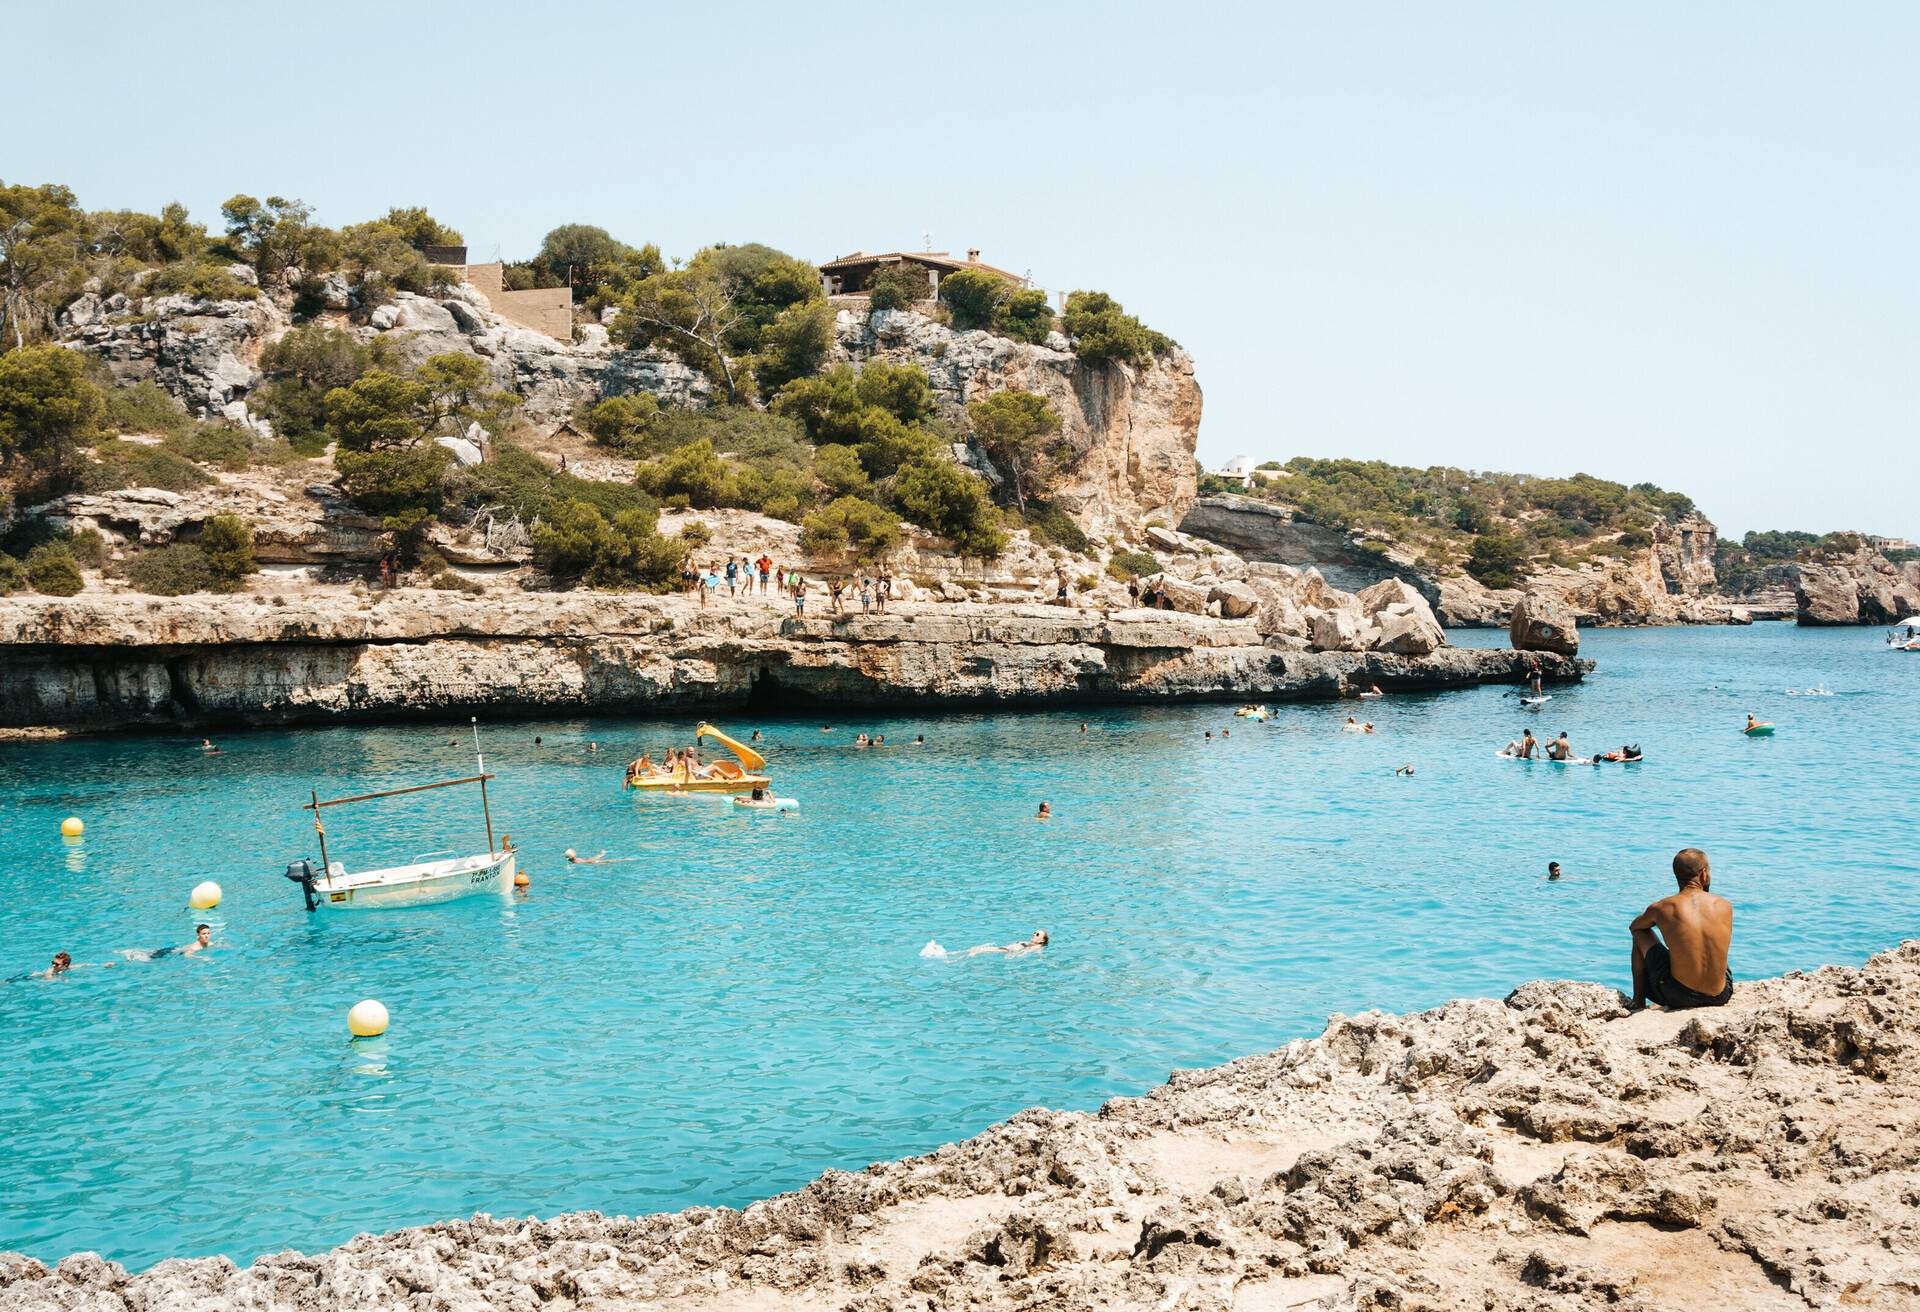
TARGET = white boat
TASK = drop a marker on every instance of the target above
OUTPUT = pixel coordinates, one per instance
(417, 884)
(421, 884)
(1906, 635)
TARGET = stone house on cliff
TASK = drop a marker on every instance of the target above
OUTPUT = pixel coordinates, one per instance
(852, 275)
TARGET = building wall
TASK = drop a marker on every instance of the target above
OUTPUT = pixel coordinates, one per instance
(546, 310)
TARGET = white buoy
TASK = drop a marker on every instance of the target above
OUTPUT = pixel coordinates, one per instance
(205, 896)
(73, 826)
(367, 1019)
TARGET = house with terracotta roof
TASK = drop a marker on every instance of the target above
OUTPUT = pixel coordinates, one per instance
(851, 275)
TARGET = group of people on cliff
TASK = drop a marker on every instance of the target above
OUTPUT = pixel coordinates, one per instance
(738, 576)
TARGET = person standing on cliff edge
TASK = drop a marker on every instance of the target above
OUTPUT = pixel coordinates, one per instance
(1689, 969)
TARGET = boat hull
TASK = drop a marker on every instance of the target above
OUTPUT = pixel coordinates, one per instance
(679, 784)
(422, 885)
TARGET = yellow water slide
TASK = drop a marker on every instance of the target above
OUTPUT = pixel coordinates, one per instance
(748, 757)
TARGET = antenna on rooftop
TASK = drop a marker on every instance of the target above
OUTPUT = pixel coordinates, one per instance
(926, 241)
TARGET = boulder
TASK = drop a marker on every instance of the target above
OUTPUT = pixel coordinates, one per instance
(1335, 630)
(1406, 632)
(1236, 600)
(1390, 592)
(1542, 624)
(336, 293)
(1163, 538)
(469, 319)
(1188, 598)
(465, 453)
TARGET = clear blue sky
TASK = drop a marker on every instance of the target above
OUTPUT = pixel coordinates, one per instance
(1647, 240)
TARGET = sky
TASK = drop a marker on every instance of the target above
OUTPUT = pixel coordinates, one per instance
(1652, 242)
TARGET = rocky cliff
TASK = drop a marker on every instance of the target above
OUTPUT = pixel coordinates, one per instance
(1548, 1153)
(1861, 588)
(1671, 582)
(1131, 430)
(123, 662)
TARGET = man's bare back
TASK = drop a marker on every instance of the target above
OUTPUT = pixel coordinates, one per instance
(1696, 934)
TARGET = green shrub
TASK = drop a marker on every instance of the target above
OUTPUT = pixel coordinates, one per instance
(171, 571)
(838, 467)
(692, 475)
(940, 496)
(13, 575)
(623, 422)
(48, 407)
(1020, 430)
(793, 345)
(973, 297)
(144, 408)
(1498, 560)
(695, 533)
(1051, 525)
(87, 547)
(120, 464)
(897, 287)
(1129, 565)
(52, 569)
(576, 542)
(849, 526)
(1024, 316)
(227, 542)
(226, 446)
(1102, 330)
(403, 486)
(305, 365)
(201, 279)
(447, 581)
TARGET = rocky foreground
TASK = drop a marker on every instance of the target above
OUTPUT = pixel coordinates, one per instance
(1548, 1152)
(132, 662)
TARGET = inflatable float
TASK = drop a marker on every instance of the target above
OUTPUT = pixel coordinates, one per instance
(1252, 712)
(767, 804)
(720, 777)
(1758, 731)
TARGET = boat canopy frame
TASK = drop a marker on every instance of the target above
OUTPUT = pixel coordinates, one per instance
(316, 806)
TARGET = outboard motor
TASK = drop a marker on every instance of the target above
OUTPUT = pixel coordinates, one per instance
(301, 873)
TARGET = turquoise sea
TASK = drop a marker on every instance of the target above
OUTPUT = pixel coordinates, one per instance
(745, 1004)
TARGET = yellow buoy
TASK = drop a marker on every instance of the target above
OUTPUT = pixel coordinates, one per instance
(520, 879)
(72, 826)
(367, 1019)
(205, 896)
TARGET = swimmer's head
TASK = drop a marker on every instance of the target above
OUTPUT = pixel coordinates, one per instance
(569, 854)
(203, 934)
(1039, 938)
(62, 961)
(1046, 809)
(1553, 870)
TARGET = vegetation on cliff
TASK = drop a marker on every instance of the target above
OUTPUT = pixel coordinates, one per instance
(1498, 527)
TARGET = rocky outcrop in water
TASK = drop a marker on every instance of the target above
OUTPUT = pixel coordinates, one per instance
(1862, 588)
(1540, 623)
(1548, 1153)
(115, 662)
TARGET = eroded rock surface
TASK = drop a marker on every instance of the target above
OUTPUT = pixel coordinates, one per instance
(1547, 1152)
(121, 661)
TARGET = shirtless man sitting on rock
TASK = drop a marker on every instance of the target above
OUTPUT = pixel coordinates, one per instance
(1690, 968)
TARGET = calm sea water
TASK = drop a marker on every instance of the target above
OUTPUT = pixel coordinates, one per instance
(744, 1004)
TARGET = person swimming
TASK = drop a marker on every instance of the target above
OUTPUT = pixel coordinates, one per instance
(761, 798)
(1405, 769)
(1553, 870)
(574, 859)
(863, 741)
(1034, 944)
(1367, 727)
(202, 940)
(1046, 812)
(1352, 725)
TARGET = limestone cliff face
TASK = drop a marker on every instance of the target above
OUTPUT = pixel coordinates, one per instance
(1132, 430)
(1670, 583)
(1863, 588)
(116, 662)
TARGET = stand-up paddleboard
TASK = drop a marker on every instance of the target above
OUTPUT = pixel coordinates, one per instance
(1545, 760)
(1537, 701)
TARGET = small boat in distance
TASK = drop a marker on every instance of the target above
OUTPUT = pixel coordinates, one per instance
(1905, 635)
(719, 777)
(420, 883)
